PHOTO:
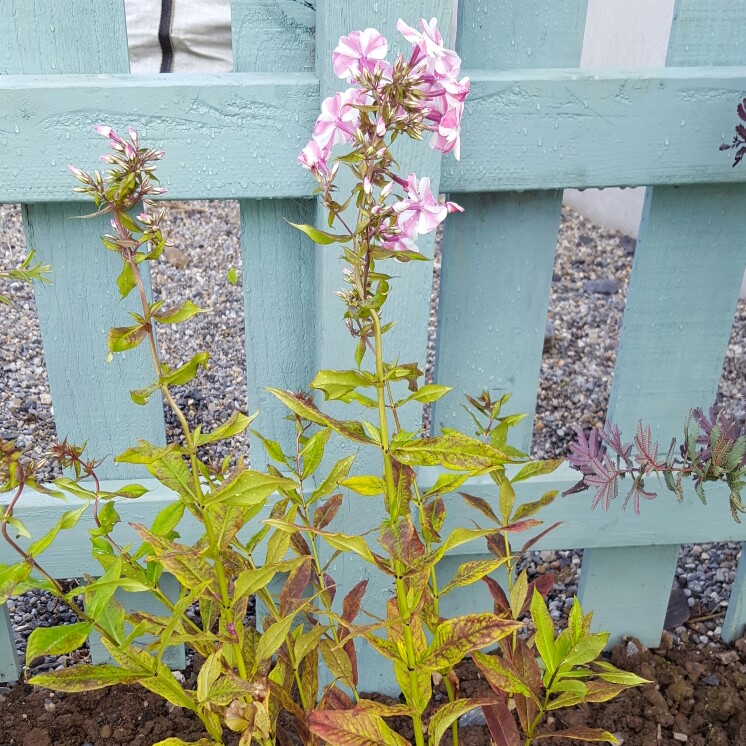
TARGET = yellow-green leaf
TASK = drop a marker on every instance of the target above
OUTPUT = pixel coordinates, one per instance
(56, 640)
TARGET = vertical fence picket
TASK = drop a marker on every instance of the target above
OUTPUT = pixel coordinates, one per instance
(496, 269)
(684, 286)
(277, 260)
(10, 669)
(90, 397)
(707, 34)
(407, 302)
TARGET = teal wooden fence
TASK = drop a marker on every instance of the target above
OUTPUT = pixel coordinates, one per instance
(535, 124)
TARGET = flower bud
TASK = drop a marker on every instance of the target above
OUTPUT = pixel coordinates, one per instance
(386, 191)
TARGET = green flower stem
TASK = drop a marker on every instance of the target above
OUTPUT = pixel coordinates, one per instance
(191, 447)
(394, 510)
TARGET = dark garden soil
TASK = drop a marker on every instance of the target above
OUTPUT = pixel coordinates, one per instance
(698, 698)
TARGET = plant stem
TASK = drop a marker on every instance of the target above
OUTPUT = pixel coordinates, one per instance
(394, 511)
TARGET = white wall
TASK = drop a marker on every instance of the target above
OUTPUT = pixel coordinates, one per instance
(621, 33)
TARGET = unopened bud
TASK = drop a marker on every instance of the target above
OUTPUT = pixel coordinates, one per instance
(380, 127)
(386, 191)
(366, 185)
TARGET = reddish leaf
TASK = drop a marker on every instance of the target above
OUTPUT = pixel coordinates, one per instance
(401, 541)
(325, 513)
(581, 733)
(498, 595)
(741, 109)
(353, 601)
(300, 545)
(349, 648)
(330, 585)
(518, 526)
(538, 537)
(344, 728)
(294, 587)
(501, 725)
(496, 544)
(481, 505)
(335, 699)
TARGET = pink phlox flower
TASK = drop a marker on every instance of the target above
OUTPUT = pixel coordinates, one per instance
(428, 52)
(454, 207)
(420, 212)
(313, 157)
(361, 50)
(393, 239)
(115, 141)
(339, 118)
(447, 136)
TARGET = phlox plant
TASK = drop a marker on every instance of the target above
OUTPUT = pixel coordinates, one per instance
(248, 676)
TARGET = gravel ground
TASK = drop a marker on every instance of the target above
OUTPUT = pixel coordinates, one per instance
(585, 312)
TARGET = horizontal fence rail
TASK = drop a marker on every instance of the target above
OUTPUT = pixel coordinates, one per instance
(523, 129)
(534, 125)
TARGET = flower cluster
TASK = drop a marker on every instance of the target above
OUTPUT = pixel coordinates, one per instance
(412, 96)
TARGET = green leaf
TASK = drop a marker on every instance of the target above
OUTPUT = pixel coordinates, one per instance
(518, 594)
(84, 678)
(308, 641)
(168, 519)
(318, 236)
(142, 396)
(232, 276)
(185, 373)
(68, 519)
(182, 312)
(445, 483)
(529, 509)
(313, 452)
(353, 728)
(247, 488)
(145, 453)
(11, 576)
(453, 451)
(337, 384)
(273, 637)
(235, 424)
(470, 572)
(448, 713)
(123, 338)
(507, 500)
(173, 741)
(18, 525)
(536, 468)
(457, 637)
(428, 393)
(126, 281)
(338, 472)
(337, 661)
(350, 430)
(544, 631)
(364, 485)
(171, 471)
(248, 582)
(56, 640)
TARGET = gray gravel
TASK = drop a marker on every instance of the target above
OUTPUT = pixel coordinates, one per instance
(587, 302)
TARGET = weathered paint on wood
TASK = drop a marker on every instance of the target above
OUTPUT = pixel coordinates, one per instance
(707, 35)
(64, 36)
(273, 35)
(682, 297)
(90, 396)
(10, 668)
(498, 256)
(241, 132)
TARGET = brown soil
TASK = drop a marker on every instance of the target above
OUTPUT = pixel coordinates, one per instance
(698, 697)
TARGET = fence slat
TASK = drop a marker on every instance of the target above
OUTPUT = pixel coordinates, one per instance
(496, 270)
(407, 303)
(241, 132)
(10, 669)
(707, 35)
(271, 36)
(684, 286)
(90, 398)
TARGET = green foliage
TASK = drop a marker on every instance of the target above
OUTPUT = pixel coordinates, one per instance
(250, 677)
